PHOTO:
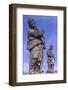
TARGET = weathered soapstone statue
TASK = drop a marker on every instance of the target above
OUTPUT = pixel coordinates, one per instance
(51, 60)
(36, 45)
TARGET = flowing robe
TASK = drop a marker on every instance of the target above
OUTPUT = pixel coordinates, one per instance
(51, 60)
(35, 46)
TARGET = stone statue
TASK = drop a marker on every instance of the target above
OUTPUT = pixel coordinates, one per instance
(51, 60)
(35, 45)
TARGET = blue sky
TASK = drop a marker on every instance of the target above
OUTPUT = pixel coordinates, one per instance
(49, 24)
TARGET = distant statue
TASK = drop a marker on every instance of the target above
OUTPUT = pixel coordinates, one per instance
(36, 45)
(51, 60)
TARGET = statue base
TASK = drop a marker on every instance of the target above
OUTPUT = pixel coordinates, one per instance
(53, 71)
(40, 72)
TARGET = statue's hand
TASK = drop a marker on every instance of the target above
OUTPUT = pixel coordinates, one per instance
(41, 33)
(44, 47)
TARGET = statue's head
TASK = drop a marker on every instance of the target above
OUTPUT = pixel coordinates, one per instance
(31, 23)
(51, 47)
